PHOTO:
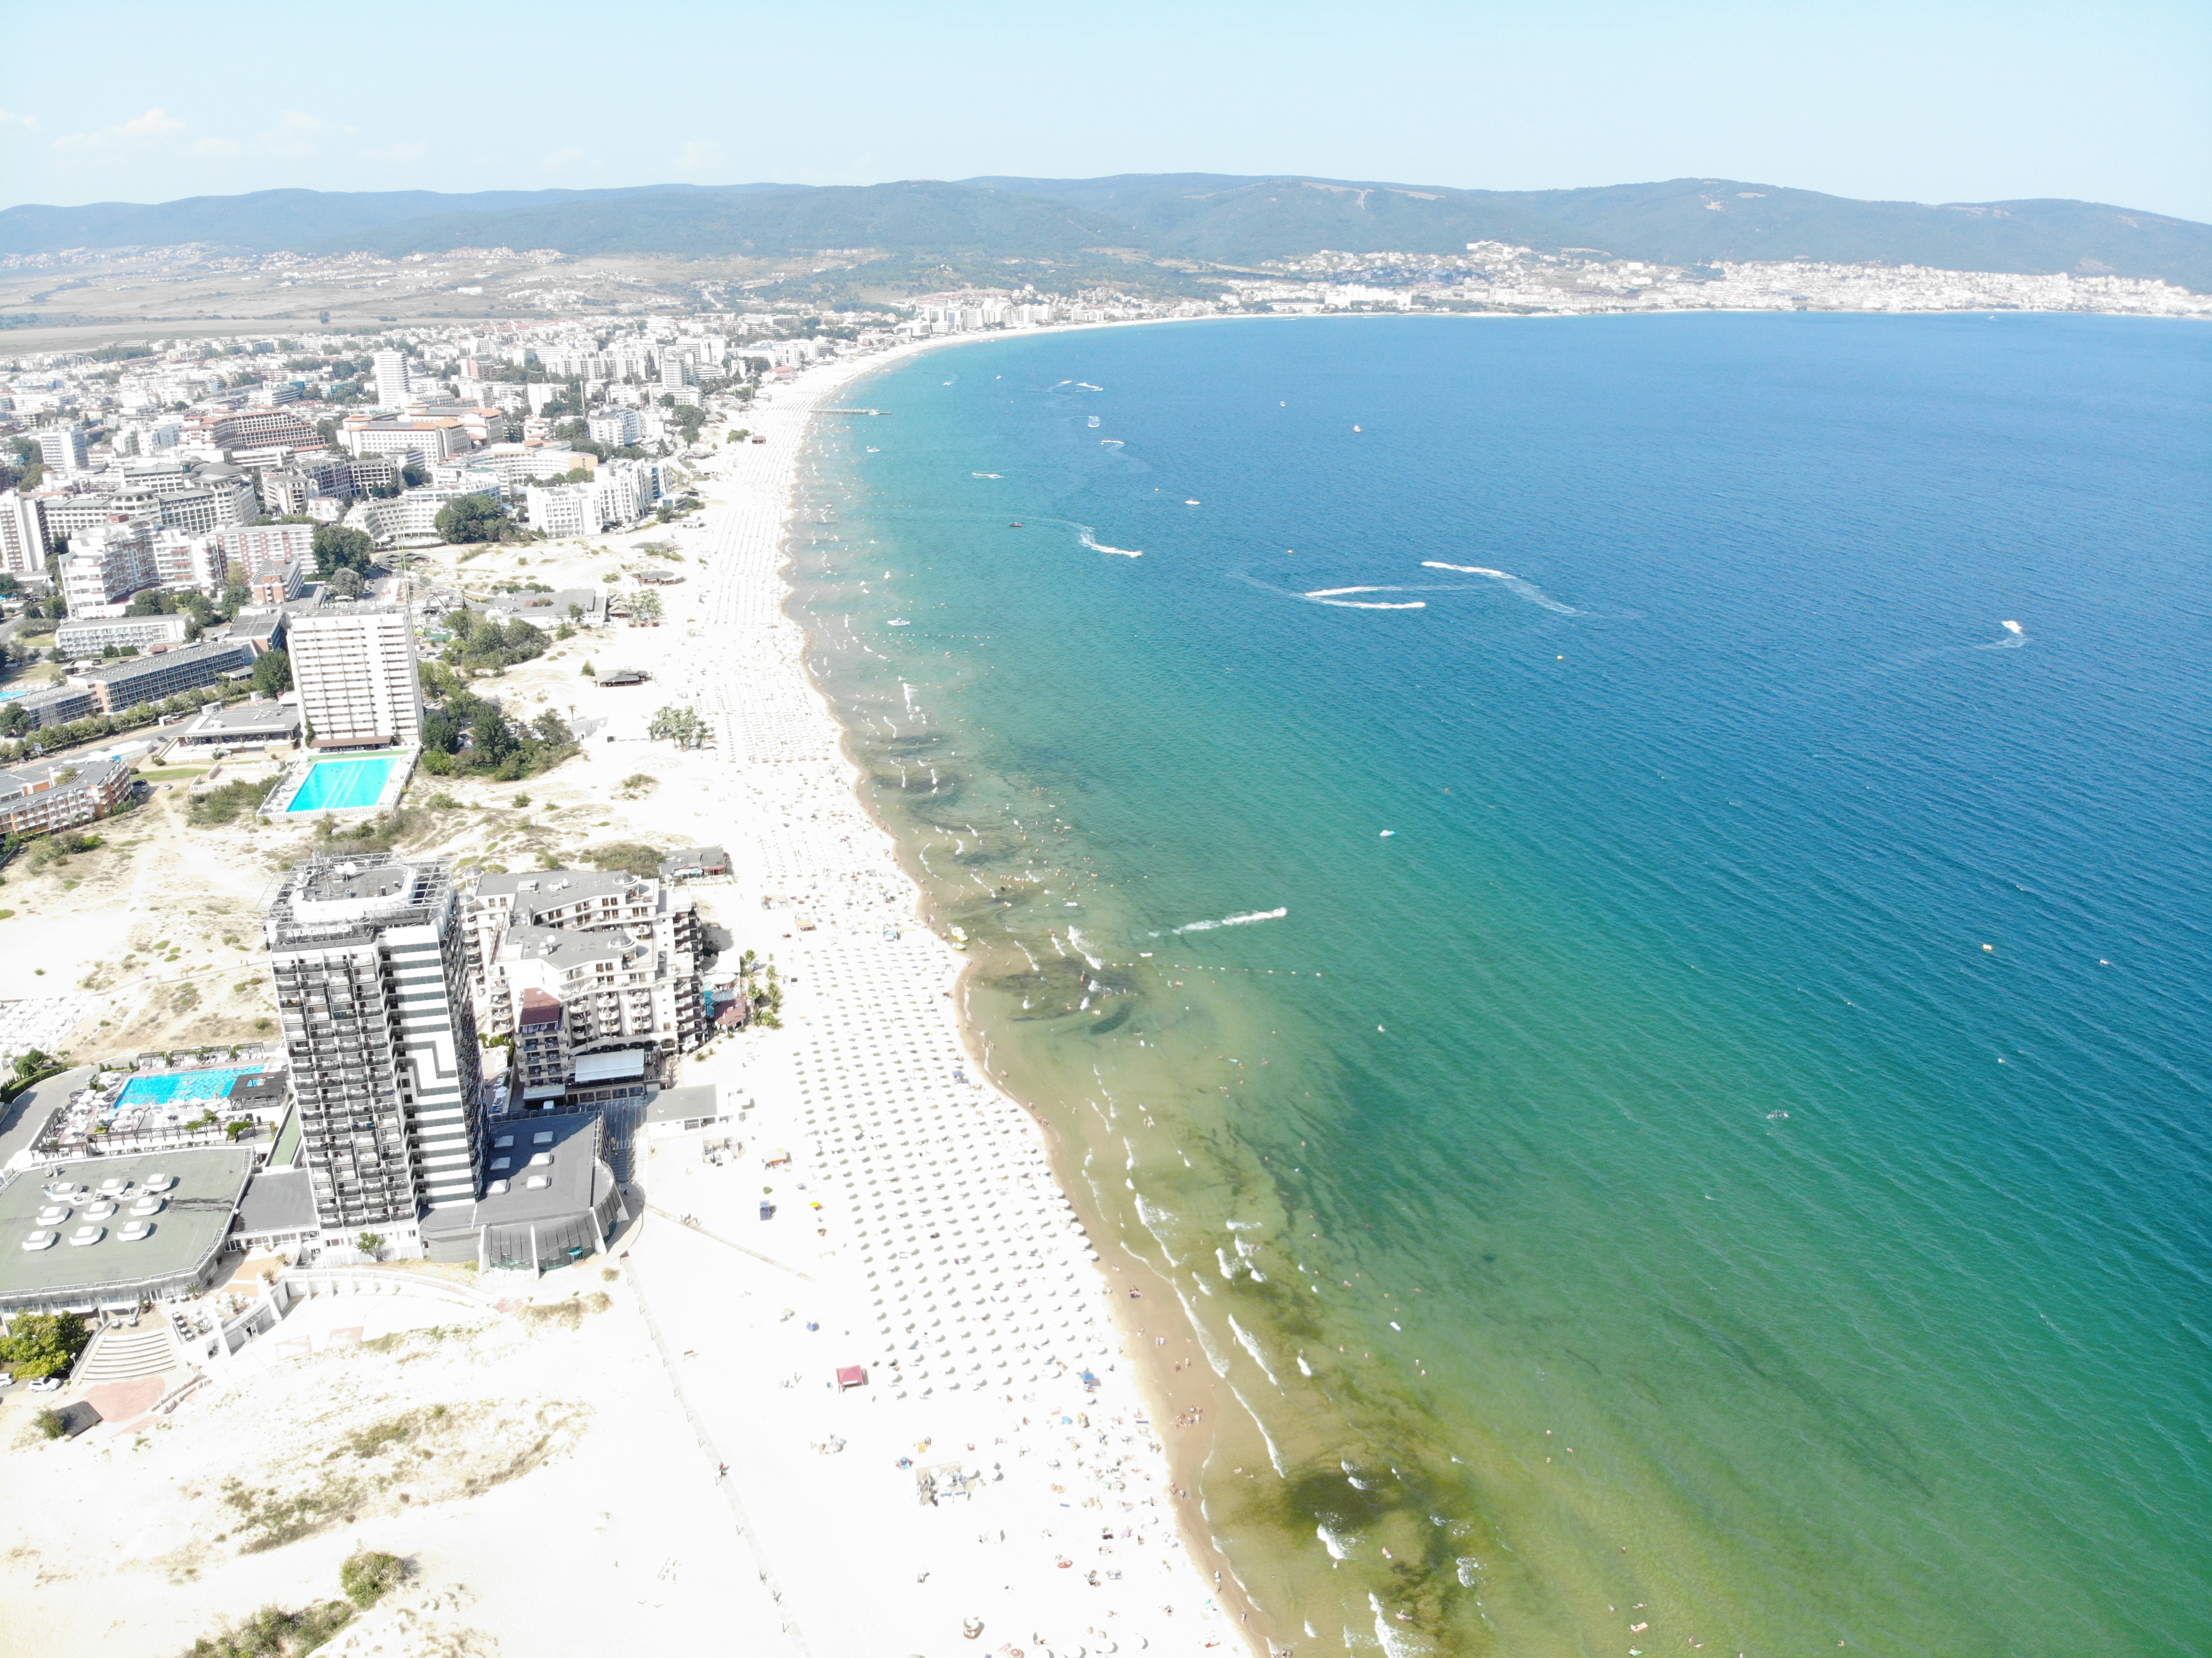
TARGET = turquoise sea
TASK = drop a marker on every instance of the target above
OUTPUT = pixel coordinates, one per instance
(1729, 1170)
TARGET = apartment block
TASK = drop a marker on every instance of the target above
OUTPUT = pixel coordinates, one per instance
(105, 563)
(355, 670)
(141, 679)
(594, 972)
(54, 794)
(133, 632)
(370, 968)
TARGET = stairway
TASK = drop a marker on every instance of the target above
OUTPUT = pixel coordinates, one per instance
(121, 1353)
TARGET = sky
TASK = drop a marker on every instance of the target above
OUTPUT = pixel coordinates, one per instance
(1929, 101)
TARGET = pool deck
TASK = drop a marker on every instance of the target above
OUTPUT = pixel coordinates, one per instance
(278, 805)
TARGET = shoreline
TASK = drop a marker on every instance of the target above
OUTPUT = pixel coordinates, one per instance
(1167, 1391)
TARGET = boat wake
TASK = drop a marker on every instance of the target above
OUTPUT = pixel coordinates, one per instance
(1527, 590)
(2015, 636)
(1247, 920)
(1328, 596)
(1084, 534)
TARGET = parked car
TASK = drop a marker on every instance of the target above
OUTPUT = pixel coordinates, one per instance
(48, 1384)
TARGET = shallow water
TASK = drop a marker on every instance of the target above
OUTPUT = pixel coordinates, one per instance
(1733, 1160)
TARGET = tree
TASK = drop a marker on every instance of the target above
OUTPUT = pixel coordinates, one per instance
(272, 672)
(340, 548)
(645, 607)
(414, 477)
(473, 518)
(680, 725)
(347, 584)
(45, 1344)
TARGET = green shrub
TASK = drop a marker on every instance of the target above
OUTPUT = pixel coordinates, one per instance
(368, 1577)
(50, 1423)
(274, 1632)
(628, 856)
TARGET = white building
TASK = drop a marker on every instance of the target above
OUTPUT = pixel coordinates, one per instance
(251, 544)
(125, 633)
(106, 564)
(390, 368)
(188, 560)
(564, 509)
(22, 534)
(617, 428)
(354, 668)
(64, 448)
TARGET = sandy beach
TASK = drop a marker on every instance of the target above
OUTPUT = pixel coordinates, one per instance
(918, 1224)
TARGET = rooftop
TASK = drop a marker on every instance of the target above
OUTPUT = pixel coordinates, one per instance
(184, 1234)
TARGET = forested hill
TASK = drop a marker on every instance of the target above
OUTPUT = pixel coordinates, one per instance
(1208, 218)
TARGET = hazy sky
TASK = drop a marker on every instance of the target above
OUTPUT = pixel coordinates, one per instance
(1929, 101)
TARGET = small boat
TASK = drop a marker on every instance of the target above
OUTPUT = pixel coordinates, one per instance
(1355, 428)
(1016, 524)
(898, 621)
(1110, 443)
(1387, 834)
(1190, 503)
(959, 937)
(1094, 421)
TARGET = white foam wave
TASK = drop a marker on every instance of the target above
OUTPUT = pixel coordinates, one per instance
(1266, 1438)
(1527, 590)
(1339, 1543)
(1250, 1344)
(1229, 921)
(1360, 604)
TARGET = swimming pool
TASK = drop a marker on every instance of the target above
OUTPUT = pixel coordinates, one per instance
(184, 1087)
(341, 785)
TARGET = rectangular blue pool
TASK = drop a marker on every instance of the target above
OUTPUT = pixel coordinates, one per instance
(341, 785)
(184, 1088)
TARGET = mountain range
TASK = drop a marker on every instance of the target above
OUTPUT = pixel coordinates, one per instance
(1180, 222)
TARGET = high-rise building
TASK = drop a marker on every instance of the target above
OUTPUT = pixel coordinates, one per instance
(22, 534)
(371, 972)
(390, 368)
(354, 668)
(63, 447)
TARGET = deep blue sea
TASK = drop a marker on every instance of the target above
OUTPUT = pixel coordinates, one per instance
(1618, 908)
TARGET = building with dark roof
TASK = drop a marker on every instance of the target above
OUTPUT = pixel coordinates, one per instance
(111, 1232)
(548, 1199)
(127, 684)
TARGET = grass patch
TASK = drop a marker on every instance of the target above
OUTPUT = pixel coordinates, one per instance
(223, 803)
(170, 773)
(628, 856)
(565, 1315)
(270, 1521)
(381, 1437)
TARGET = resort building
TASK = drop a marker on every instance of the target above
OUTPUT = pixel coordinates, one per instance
(548, 1199)
(57, 705)
(112, 1233)
(134, 680)
(594, 972)
(354, 668)
(53, 795)
(259, 724)
(371, 969)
